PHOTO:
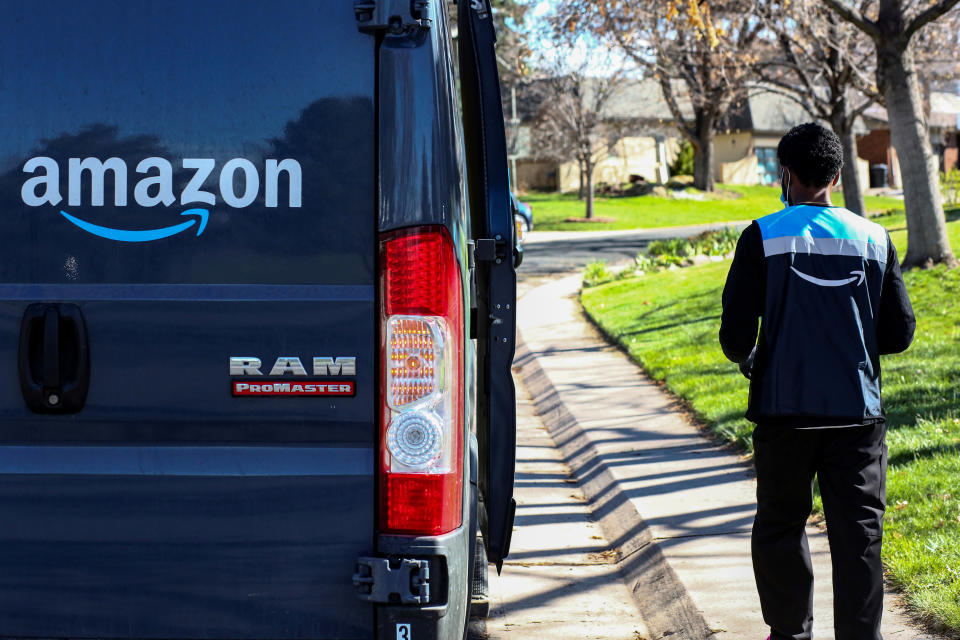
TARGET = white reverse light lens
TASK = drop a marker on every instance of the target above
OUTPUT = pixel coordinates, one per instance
(415, 439)
(415, 351)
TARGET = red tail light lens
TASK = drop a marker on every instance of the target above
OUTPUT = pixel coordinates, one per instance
(421, 442)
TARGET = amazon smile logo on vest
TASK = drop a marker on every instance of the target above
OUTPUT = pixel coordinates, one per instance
(820, 282)
(156, 188)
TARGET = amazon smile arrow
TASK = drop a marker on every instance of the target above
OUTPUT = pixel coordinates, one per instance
(857, 275)
(146, 235)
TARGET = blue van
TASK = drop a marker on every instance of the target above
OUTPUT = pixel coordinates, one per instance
(257, 309)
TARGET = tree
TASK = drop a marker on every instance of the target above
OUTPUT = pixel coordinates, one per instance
(513, 51)
(572, 121)
(893, 25)
(825, 65)
(701, 60)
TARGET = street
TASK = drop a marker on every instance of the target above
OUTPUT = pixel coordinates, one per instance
(555, 252)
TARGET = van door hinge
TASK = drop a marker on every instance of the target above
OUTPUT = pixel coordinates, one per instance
(490, 250)
(393, 580)
(393, 16)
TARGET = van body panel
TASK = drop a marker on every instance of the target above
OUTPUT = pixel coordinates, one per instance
(160, 369)
(421, 172)
(165, 507)
(182, 542)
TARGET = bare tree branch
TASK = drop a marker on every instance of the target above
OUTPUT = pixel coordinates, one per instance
(855, 18)
(928, 16)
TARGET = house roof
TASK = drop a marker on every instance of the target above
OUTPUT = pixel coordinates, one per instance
(639, 99)
(643, 100)
(775, 113)
(944, 110)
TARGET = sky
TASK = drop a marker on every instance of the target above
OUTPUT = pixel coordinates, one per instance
(598, 59)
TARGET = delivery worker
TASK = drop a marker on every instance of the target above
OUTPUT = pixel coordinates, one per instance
(825, 285)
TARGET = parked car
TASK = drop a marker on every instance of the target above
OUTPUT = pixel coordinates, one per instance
(255, 354)
(522, 217)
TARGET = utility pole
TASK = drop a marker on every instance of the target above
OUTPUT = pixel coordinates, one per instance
(515, 129)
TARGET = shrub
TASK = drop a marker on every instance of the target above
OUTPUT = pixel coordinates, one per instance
(683, 164)
(596, 273)
(716, 243)
(678, 251)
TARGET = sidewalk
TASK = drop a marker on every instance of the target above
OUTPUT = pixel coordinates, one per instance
(560, 581)
(677, 505)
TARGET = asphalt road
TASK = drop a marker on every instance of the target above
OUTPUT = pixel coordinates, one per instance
(548, 253)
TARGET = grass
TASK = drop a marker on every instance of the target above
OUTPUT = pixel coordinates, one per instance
(668, 322)
(643, 212)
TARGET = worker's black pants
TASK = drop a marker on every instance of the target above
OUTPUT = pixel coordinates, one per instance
(851, 465)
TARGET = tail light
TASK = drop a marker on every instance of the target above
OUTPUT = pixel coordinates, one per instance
(421, 441)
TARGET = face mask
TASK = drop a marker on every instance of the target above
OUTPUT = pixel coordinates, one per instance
(784, 197)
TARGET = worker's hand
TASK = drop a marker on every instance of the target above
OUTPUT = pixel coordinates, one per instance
(746, 367)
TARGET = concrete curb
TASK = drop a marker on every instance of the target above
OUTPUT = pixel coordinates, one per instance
(667, 608)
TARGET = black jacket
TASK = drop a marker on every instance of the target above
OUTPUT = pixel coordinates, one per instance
(827, 285)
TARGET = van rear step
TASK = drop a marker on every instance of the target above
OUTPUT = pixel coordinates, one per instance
(480, 586)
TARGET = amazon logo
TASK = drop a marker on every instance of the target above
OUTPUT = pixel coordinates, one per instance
(855, 276)
(240, 185)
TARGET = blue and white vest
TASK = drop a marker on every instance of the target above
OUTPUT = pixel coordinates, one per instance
(817, 355)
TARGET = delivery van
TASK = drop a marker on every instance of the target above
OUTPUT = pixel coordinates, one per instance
(257, 304)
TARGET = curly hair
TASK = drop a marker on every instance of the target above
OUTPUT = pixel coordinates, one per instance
(812, 153)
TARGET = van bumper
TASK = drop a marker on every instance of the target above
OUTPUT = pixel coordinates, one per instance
(450, 561)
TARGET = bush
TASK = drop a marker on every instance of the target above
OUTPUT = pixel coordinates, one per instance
(716, 243)
(683, 164)
(597, 273)
(679, 251)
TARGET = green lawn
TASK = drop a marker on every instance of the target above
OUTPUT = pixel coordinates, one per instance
(668, 322)
(641, 212)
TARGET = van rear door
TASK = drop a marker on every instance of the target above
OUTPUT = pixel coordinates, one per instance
(493, 229)
(187, 312)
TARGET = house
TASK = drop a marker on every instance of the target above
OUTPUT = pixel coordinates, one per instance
(648, 145)
(751, 150)
(943, 123)
(745, 150)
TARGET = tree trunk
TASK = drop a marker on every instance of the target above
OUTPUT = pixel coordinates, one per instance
(927, 241)
(849, 176)
(704, 163)
(583, 180)
(588, 170)
(704, 156)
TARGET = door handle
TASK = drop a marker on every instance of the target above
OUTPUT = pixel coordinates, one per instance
(54, 358)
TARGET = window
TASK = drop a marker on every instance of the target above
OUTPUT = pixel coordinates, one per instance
(768, 165)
